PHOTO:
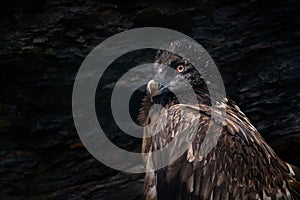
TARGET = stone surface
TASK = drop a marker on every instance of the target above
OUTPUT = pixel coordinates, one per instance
(255, 44)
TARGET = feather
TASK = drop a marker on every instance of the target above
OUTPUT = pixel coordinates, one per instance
(190, 184)
(232, 163)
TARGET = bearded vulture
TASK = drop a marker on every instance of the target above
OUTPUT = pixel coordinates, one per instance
(240, 164)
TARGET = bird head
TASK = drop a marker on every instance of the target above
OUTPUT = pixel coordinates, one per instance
(176, 80)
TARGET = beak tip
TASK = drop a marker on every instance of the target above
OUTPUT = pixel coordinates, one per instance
(153, 88)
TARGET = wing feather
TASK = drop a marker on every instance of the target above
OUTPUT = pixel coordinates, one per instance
(239, 163)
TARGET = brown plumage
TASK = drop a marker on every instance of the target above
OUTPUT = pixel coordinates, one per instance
(241, 165)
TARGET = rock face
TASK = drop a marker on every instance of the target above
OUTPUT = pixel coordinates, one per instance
(255, 45)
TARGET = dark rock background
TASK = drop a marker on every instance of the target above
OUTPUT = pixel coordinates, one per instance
(255, 44)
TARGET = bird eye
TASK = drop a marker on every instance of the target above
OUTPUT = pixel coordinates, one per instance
(180, 68)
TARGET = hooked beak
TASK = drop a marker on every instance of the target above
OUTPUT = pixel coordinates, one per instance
(154, 89)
